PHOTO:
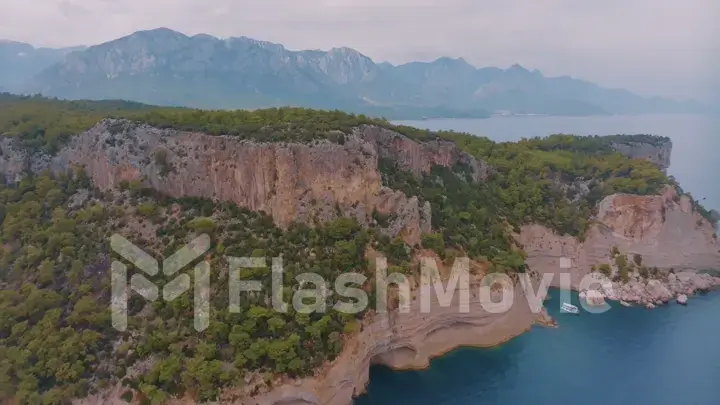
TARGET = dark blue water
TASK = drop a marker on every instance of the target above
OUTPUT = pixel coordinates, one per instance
(696, 139)
(666, 356)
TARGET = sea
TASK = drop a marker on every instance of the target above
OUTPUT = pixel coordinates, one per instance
(625, 356)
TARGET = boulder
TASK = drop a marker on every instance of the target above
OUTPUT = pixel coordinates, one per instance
(650, 305)
(658, 291)
(682, 299)
(595, 298)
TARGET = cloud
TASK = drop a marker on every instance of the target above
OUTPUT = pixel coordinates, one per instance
(651, 46)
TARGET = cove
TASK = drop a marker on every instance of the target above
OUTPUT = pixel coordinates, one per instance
(665, 356)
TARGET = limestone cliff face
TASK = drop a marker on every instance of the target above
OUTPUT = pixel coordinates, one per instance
(418, 157)
(658, 154)
(664, 229)
(290, 181)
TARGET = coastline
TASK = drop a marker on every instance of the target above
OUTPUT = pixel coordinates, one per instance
(537, 368)
(397, 341)
(402, 342)
(396, 353)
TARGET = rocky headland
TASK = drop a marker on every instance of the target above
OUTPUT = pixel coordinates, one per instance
(658, 152)
(671, 243)
(320, 181)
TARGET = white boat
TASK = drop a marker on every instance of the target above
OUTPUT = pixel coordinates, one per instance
(569, 309)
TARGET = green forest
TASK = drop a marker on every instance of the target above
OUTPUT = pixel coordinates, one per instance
(56, 342)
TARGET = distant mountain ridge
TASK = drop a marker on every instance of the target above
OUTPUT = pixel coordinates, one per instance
(20, 62)
(166, 67)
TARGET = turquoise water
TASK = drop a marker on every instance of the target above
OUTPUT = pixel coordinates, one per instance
(696, 139)
(666, 356)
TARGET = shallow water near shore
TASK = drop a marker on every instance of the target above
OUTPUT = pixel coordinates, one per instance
(664, 356)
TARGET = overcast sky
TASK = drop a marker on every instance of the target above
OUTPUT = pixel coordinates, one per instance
(662, 47)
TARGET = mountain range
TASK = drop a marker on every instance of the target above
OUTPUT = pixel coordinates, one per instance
(166, 67)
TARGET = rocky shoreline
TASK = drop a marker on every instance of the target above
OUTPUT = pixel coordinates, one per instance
(402, 341)
(653, 292)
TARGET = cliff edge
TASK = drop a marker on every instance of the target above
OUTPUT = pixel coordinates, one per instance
(310, 183)
(657, 152)
(402, 341)
(663, 229)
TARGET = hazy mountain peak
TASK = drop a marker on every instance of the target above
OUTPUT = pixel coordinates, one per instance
(256, 42)
(344, 50)
(446, 60)
(158, 39)
(19, 62)
(203, 37)
(162, 31)
(350, 56)
(516, 67)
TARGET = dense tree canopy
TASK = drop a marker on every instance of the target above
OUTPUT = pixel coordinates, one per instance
(56, 342)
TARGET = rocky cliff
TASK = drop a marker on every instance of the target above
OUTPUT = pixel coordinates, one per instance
(290, 181)
(658, 153)
(403, 341)
(396, 340)
(663, 229)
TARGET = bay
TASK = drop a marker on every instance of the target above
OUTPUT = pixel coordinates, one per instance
(665, 356)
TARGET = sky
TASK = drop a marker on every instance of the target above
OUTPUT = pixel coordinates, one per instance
(653, 47)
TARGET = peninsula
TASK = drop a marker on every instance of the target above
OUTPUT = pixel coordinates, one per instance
(328, 192)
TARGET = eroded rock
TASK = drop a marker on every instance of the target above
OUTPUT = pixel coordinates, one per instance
(310, 183)
(658, 154)
(595, 298)
(663, 229)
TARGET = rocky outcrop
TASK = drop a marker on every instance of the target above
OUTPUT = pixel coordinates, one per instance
(658, 153)
(656, 292)
(594, 298)
(402, 341)
(663, 229)
(290, 181)
(13, 161)
(418, 157)
(410, 220)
